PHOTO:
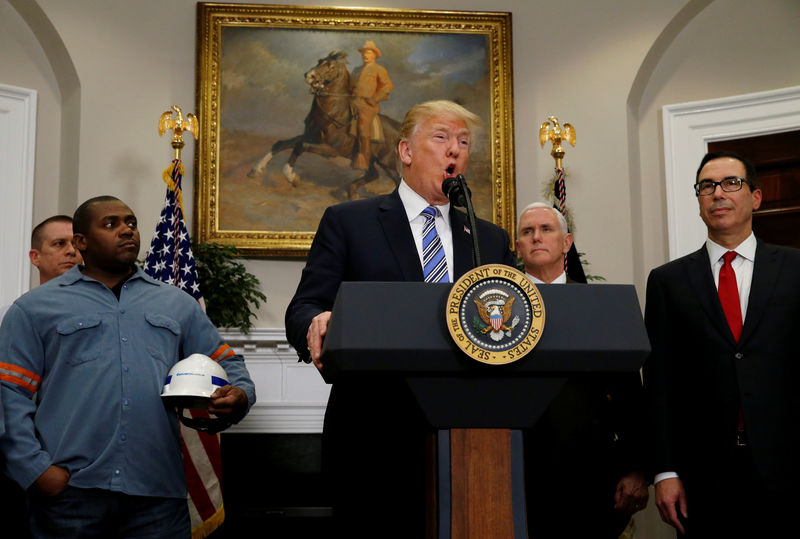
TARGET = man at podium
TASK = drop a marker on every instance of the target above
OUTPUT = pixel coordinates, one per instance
(374, 432)
(582, 471)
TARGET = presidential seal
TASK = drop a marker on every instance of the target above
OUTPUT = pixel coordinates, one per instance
(495, 314)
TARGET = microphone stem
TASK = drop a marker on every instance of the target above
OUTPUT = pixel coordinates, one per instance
(476, 254)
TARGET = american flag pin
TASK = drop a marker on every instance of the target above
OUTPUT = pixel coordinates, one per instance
(467, 230)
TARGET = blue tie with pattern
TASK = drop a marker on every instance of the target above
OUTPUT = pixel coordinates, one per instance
(433, 261)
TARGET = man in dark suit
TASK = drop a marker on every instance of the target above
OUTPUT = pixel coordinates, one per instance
(374, 433)
(724, 323)
(583, 469)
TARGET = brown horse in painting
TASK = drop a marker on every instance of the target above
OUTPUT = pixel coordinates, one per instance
(328, 127)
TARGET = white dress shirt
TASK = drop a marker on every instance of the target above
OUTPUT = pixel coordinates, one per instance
(561, 279)
(414, 204)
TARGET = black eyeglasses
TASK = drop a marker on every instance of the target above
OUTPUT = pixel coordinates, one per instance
(729, 185)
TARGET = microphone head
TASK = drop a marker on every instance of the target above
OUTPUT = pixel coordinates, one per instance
(457, 190)
(448, 185)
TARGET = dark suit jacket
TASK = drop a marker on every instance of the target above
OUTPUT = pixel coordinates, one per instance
(371, 240)
(373, 452)
(697, 376)
(576, 453)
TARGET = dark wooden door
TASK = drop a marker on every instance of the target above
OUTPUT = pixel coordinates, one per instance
(777, 161)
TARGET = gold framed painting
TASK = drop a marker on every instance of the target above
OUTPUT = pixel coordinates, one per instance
(271, 79)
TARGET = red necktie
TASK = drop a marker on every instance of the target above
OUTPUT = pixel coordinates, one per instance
(729, 298)
(729, 295)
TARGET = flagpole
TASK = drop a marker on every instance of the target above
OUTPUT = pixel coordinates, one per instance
(556, 134)
(170, 260)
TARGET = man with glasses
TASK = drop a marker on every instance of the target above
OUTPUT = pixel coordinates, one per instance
(724, 323)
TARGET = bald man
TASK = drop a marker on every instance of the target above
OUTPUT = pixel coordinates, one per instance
(52, 251)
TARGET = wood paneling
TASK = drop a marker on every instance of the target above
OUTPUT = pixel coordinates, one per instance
(777, 161)
(481, 483)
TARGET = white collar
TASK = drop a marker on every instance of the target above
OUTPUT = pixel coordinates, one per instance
(414, 203)
(561, 279)
(746, 249)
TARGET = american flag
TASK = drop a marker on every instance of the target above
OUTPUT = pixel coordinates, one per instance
(572, 260)
(170, 260)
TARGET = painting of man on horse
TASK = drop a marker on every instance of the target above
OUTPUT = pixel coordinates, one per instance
(286, 136)
(331, 128)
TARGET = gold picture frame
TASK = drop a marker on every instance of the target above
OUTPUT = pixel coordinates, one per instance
(253, 90)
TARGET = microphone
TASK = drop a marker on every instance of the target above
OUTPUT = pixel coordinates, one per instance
(460, 195)
(454, 188)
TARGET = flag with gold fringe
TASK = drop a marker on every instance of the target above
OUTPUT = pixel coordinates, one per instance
(170, 260)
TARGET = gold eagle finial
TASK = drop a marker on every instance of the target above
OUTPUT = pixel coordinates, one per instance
(556, 134)
(178, 126)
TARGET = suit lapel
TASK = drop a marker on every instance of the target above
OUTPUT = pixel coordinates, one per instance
(766, 268)
(462, 243)
(698, 270)
(394, 221)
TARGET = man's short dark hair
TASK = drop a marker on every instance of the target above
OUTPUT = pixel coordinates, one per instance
(37, 236)
(749, 167)
(82, 218)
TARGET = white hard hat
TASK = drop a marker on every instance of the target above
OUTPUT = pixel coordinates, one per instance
(189, 384)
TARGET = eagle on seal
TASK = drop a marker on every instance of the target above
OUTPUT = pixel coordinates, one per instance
(495, 316)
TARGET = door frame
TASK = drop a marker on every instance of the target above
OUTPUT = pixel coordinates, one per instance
(689, 127)
(17, 153)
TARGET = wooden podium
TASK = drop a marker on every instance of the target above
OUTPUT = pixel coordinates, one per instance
(399, 329)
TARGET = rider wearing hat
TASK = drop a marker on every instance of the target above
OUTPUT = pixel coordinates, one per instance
(371, 86)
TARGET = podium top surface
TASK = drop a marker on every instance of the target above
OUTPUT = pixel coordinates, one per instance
(400, 327)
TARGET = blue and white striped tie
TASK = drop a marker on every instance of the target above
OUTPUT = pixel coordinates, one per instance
(433, 261)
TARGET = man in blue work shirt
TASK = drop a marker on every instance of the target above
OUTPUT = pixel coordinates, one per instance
(52, 253)
(97, 447)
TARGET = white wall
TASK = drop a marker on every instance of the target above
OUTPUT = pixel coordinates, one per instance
(731, 48)
(576, 59)
(24, 64)
(572, 59)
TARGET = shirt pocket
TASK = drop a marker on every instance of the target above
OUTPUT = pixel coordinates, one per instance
(164, 338)
(80, 338)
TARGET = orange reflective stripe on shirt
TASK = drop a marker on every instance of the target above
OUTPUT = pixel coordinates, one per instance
(21, 377)
(223, 352)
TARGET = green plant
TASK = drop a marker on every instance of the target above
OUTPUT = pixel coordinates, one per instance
(585, 263)
(230, 292)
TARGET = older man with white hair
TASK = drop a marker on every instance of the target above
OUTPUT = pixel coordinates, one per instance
(374, 442)
(582, 470)
(543, 239)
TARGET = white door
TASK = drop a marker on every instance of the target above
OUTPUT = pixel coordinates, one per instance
(17, 152)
